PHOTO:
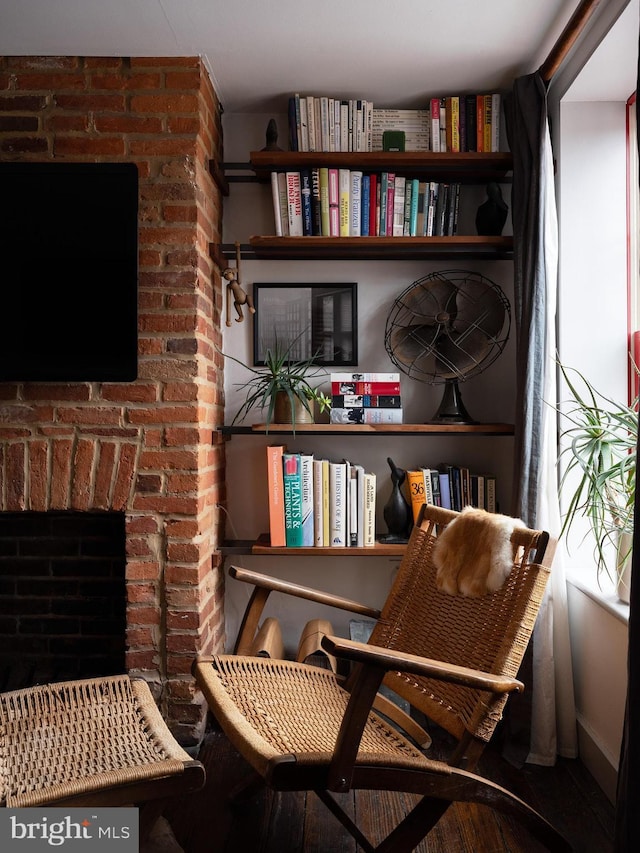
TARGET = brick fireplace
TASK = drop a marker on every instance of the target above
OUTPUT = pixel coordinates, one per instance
(144, 450)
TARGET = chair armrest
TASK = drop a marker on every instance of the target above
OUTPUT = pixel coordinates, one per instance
(394, 660)
(264, 585)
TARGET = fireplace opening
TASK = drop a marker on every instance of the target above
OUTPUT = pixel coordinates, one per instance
(62, 596)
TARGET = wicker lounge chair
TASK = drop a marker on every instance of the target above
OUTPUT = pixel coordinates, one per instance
(99, 741)
(454, 658)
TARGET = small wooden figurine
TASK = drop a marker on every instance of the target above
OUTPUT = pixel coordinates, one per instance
(235, 291)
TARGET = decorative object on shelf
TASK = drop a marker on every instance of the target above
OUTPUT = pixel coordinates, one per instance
(272, 137)
(282, 376)
(492, 214)
(235, 291)
(447, 327)
(320, 319)
(397, 512)
(600, 445)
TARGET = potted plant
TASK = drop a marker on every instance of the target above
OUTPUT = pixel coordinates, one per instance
(284, 388)
(601, 470)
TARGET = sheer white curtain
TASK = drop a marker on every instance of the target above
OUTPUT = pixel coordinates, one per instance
(553, 717)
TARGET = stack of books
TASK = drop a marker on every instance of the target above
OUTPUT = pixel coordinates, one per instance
(450, 486)
(466, 123)
(317, 502)
(366, 398)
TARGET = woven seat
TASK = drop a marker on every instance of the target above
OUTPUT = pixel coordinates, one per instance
(99, 741)
(452, 657)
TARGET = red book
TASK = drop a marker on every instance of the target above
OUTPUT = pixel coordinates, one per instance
(480, 123)
(365, 388)
(275, 482)
(373, 195)
(435, 124)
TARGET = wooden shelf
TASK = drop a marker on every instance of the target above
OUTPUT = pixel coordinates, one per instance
(261, 547)
(467, 167)
(371, 429)
(376, 248)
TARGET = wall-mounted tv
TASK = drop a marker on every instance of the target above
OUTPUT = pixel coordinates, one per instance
(68, 272)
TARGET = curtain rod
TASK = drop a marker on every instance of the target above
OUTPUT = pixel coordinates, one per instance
(567, 38)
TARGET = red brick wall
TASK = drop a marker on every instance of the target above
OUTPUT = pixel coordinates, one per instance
(143, 448)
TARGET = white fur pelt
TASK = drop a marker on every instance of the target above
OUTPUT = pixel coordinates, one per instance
(473, 554)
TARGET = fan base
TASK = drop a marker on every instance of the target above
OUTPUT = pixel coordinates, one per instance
(451, 409)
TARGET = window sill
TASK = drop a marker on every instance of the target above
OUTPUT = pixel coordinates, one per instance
(605, 597)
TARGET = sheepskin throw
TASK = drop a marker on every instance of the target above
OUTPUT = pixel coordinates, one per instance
(473, 554)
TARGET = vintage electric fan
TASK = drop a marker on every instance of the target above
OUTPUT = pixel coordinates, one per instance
(445, 328)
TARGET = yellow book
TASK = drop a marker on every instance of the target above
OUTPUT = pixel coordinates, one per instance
(415, 487)
(326, 527)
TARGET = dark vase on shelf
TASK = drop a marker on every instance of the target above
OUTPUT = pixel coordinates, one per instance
(397, 512)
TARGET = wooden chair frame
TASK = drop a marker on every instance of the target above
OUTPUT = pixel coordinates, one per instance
(419, 648)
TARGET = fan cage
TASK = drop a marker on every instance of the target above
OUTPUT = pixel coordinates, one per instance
(438, 344)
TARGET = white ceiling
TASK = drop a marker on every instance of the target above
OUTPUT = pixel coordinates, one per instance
(259, 51)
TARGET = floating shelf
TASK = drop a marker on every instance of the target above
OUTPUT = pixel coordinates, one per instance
(261, 547)
(371, 429)
(466, 167)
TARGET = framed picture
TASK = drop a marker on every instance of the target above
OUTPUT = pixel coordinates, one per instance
(316, 319)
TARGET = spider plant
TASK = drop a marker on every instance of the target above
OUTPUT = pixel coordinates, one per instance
(601, 452)
(280, 376)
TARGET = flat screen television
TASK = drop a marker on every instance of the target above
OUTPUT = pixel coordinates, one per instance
(68, 272)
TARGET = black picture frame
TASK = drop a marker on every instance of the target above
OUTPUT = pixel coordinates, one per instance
(315, 319)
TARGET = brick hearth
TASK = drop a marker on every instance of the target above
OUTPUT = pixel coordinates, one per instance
(143, 449)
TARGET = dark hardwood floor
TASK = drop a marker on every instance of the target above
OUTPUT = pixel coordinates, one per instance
(270, 822)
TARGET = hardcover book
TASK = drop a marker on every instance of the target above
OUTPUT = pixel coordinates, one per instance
(338, 504)
(306, 471)
(365, 388)
(369, 509)
(294, 201)
(415, 489)
(292, 467)
(364, 377)
(365, 416)
(366, 401)
(275, 486)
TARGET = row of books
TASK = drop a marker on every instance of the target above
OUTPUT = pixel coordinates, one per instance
(323, 123)
(317, 502)
(331, 202)
(455, 123)
(452, 487)
(373, 399)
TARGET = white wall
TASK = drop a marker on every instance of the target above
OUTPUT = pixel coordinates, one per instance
(488, 397)
(592, 337)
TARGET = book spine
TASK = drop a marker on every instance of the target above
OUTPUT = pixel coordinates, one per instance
(487, 123)
(397, 223)
(415, 192)
(337, 504)
(318, 504)
(332, 124)
(373, 195)
(367, 401)
(415, 488)
(445, 490)
(284, 203)
(480, 123)
(304, 125)
(406, 219)
(334, 203)
(311, 123)
(455, 123)
(292, 499)
(355, 204)
(344, 125)
(391, 197)
(490, 497)
(296, 100)
(324, 201)
(470, 110)
(275, 195)
(305, 192)
(364, 208)
(443, 125)
(353, 506)
(339, 376)
(435, 124)
(365, 388)
(365, 416)
(435, 487)
(369, 537)
(326, 499)
(293, 129)
(344, 182)
(495, 121)
(324, 122)
(316, 207)
(306, 472)
(294, 201)
(428, 486)
(382, 217)
(360, 472)
(432, 202)
(275, 486)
